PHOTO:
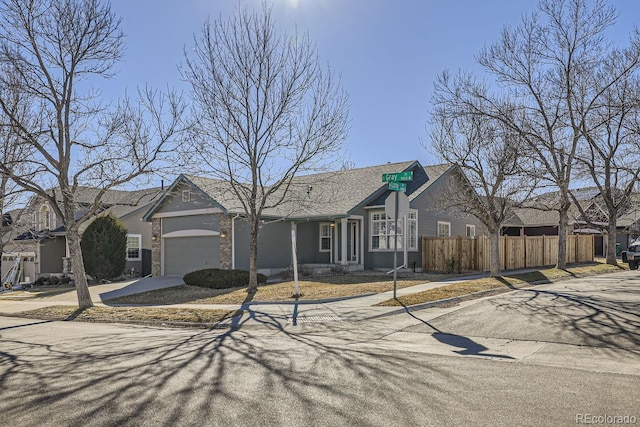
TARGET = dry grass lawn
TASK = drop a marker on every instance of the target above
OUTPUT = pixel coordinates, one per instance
(36, 292)
(129, 314)
(338, 286)
(504, 283)
(319, 288)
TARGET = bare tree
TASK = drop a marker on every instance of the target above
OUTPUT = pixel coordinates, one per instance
(490, 157)
(267, 111)
(12, 155)
(49, 51)
(610, 153)
(547, 66)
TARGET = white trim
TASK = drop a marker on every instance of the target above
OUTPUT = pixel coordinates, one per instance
(334, 259)
(468, 227)
(363, 238)
(139, 257)
(190, 212)
(191, 233)
(47, 218)
(405, 238)
(344, 257)
(438, 228)
(329, 236)
(354, 230)
(162, 254)
(404, 235)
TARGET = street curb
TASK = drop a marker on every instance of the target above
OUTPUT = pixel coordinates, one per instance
(307, 302)
(452, 300)
(477, 295)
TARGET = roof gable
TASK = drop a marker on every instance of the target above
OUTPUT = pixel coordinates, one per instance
(323, 195)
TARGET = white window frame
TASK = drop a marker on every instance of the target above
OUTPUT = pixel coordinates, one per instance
(139, 237)
(443, 223)
(44, 222)
(386, 224)
(470, 230)
(412, 230)
(186, 196)
(328, 236)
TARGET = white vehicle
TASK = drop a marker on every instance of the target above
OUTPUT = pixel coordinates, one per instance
(632, 255)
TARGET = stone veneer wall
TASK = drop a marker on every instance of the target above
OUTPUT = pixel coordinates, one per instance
(226, 243)
(156, 255)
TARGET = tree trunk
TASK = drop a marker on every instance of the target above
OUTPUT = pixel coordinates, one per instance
(611, 241)
(562, 238)
(494, 249)
(253, 257)
(77, 265)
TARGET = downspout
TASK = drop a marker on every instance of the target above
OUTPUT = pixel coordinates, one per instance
(405, 240)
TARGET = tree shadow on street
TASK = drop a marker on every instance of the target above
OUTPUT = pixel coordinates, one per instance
(469, 347)
(135, 375)
(609, 318)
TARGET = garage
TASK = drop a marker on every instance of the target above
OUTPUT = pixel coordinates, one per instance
(185, 254)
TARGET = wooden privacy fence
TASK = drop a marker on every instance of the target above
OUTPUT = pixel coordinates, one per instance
(461, 254)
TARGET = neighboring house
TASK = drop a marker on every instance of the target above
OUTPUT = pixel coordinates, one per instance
(531, 222)
(338, 218)
(539, 219)
(40, 231)
(628, 223)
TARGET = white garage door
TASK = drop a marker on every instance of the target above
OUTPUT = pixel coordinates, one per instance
(183, 255)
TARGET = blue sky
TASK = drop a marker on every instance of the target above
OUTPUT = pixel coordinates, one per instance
(387, 53)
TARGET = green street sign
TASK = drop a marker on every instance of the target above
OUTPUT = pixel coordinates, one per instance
(397, 186)
(398, 176)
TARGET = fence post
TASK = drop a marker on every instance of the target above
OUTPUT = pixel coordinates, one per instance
(459, 253)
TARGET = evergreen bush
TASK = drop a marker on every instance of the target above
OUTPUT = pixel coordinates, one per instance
(104, 248)
(220, 279)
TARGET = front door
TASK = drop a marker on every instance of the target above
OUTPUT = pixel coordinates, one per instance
(354, 242)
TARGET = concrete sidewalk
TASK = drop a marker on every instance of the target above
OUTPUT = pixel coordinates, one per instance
(271, 314)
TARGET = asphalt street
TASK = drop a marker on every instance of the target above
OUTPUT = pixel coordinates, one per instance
(548, 355)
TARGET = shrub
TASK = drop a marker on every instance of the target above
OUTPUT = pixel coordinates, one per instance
(104, 248)
(52, 281)
(220, 279)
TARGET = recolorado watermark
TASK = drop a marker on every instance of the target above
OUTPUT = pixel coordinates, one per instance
(605, 419)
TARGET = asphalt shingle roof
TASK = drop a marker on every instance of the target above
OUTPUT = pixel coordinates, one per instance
(328, 194)
(87, 195)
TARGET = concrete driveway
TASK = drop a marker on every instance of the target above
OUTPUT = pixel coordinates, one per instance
(99, 293)
(138, 286)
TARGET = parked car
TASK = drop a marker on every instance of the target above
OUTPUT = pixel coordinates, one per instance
(632, 255)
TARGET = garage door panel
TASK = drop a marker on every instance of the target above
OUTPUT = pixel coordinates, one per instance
(186, 254)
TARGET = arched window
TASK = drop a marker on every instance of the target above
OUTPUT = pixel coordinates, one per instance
(45, 218)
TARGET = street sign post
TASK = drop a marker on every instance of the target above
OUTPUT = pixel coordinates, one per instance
(398, 176)
(397, 185)
(390, 205)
